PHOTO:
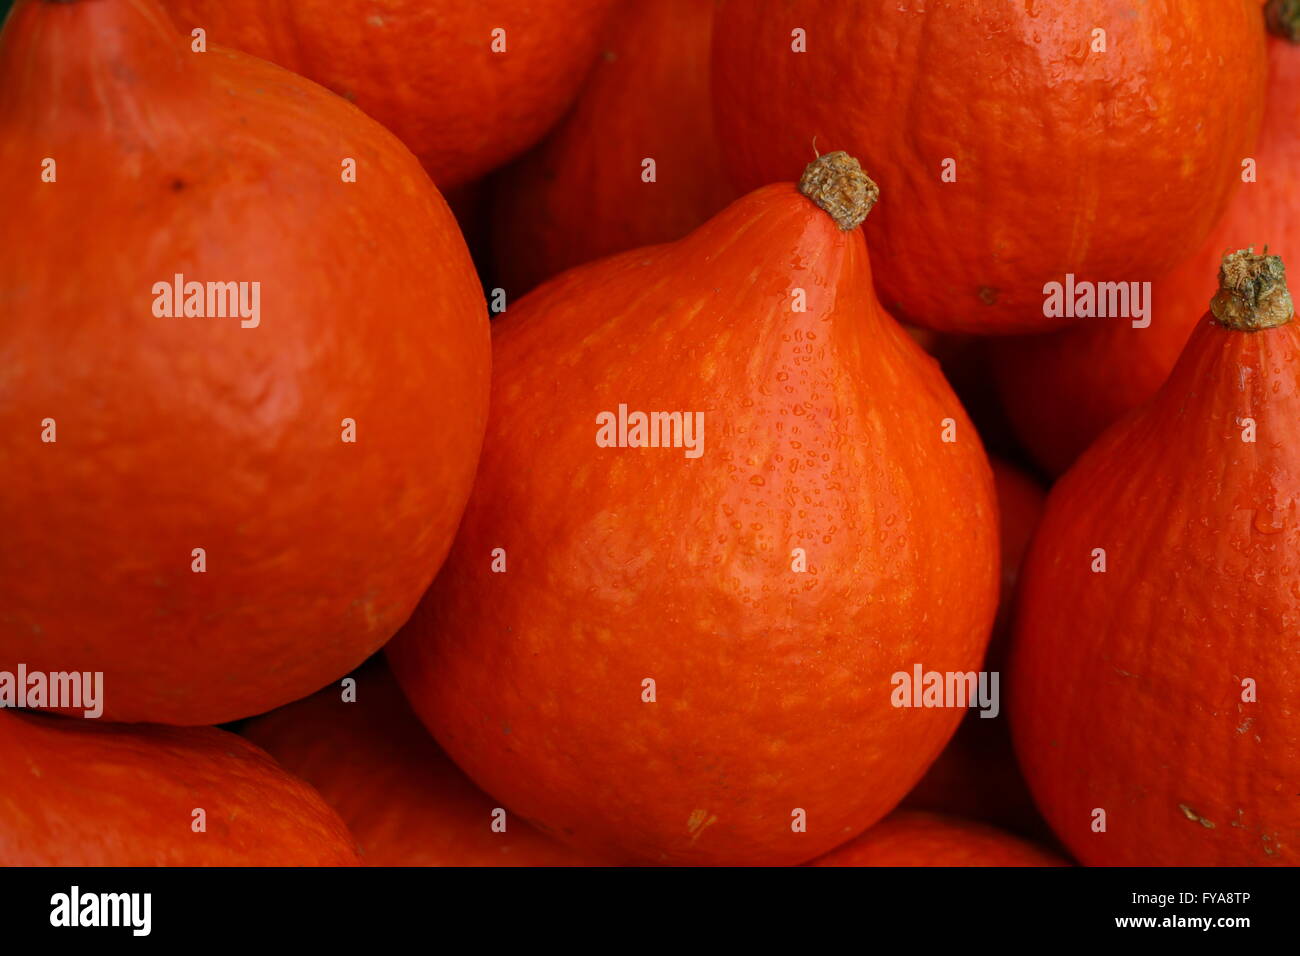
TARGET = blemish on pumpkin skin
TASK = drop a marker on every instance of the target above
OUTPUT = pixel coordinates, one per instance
(988, 295)
(1193, 815)
(699, 821)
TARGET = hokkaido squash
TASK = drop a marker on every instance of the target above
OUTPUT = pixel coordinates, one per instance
(1020, 506)
(913, 838)
(467, 86)
(1155, 683)
(976, 776)
(1016, 143)
(675, 644)
(184, 508)
(582, 194)
(81, 793)
(1062, 390)
(403, 800)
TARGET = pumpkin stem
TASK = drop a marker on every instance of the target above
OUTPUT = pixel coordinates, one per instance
(837, 184)
(1284, 18)
(1252, 292)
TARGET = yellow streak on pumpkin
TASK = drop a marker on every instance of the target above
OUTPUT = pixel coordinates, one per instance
(700, 820)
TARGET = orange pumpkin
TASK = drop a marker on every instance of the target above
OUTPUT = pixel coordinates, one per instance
(1062, 390)
(80, 793)
(1016, 143)
(912, 838)
(183, 506)
(1020, 507)
(467, 86)
(674, 653)
(976, 776)
(404, 801)
(582, 193)
(1155, 684)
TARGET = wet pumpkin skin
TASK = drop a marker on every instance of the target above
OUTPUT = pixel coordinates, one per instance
(580, 195)
(1062, 390)
(914, 838)
(83, 793)
(823, 432)
(1112, 166)
(1127, 685)
(403, 799)
(425, 69)
(187, 432)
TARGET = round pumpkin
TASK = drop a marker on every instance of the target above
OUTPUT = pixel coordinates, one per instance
(914, 838)
(1062, 390)
(467, 86)
(403, 800)
(81, 793)
(587, 191)
(1155, 683)
(221, 497)
(1015, 143)
(674, 642)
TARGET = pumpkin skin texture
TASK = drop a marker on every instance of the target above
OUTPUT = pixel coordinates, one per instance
(194, 432)
(976, 776)
(405, 802)
(1200, 592)
(1111, 166)
(82, 793)
(579, 196)
(1062, 390)
(425, 69)
(823, 432)
(912, 838)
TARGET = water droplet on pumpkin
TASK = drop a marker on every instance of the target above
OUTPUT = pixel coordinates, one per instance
(1269, 521)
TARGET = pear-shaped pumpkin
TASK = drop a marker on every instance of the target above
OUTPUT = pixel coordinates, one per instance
(724, 500)
(1155, 676)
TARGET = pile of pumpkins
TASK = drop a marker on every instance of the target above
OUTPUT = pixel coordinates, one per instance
(601, 433)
